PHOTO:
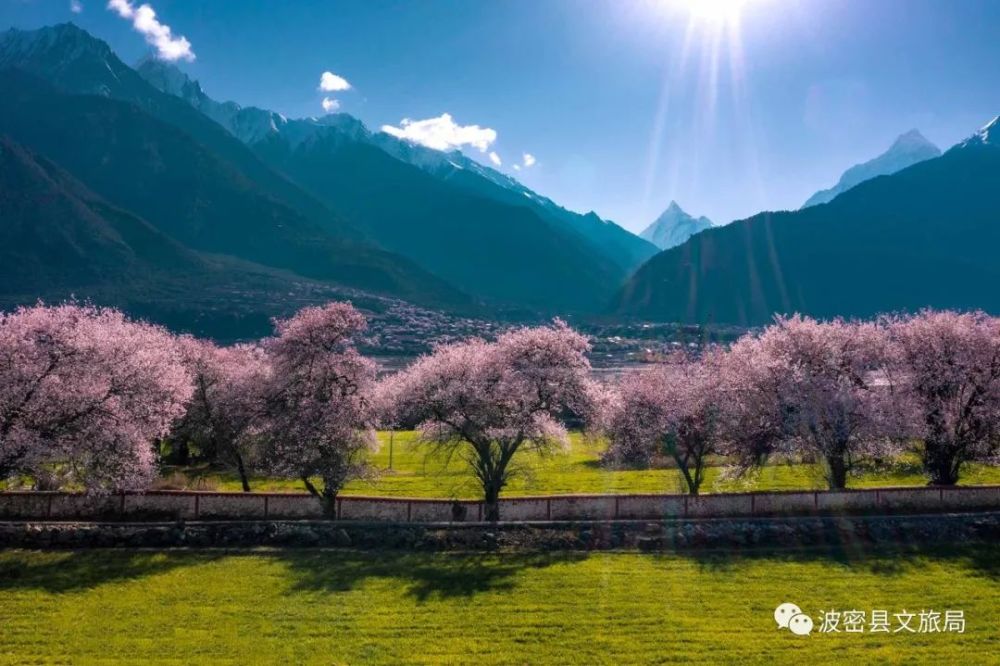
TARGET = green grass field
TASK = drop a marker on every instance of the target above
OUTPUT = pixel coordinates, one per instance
(302, 606)
(414, 473)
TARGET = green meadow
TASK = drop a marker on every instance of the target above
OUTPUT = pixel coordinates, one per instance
(345, 607)
(416, 471)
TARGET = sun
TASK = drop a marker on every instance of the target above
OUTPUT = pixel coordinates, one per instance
(715, 11)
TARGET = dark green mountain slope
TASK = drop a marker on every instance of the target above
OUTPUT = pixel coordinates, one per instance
(56, 234)
(506, 254)
(626, 250)
(60, 240)
(464, 221)
(158, 172)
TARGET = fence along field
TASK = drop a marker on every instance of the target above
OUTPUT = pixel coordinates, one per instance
(192, 505)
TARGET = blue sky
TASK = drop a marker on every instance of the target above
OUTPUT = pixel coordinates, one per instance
(624, 104)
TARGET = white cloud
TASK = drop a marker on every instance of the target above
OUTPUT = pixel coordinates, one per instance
(157, 34)
(75, 6)
(330, 105)
(443, 133)
(495, 158)
(517, 167)
(330, 82)
(529, 160)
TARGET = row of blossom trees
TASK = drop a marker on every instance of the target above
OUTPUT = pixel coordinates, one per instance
(84, 393)
(838, 392)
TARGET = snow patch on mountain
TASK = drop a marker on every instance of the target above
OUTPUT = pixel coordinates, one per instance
(988, 135)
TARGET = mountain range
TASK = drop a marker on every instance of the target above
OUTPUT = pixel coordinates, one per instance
(925, 236)
(59, 239)
(133, 187)
(905, 151)
(464, 221)
(674, 227)
(322, 200)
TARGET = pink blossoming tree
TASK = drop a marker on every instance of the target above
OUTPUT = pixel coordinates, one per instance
(825, 378)
(320, 411)
(946, 366)
(675, 408)
(226, 411)
(493, 400)
(756, 418)
(84, 392)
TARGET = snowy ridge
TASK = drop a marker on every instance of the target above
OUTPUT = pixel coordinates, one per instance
(988, 135)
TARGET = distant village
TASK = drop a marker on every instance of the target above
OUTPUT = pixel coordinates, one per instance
(400, 332)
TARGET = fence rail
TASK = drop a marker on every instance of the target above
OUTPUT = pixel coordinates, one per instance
(194, 505)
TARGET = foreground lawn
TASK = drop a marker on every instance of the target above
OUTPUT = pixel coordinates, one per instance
(357, 607)
(415, 473)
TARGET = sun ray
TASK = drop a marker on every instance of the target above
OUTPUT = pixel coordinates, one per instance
(712, 43)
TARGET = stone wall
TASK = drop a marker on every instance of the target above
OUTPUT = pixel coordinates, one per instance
(729, 534)
(184, 505)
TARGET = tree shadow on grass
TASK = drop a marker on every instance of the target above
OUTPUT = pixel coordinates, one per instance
(425, 575)
(70, 571)
(983, 559)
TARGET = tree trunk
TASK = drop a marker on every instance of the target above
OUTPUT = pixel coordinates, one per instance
(692, 482)
(941, 465)
(327, 497)
(181, 453)
(491, 503)
(836, 476)
(241, 468)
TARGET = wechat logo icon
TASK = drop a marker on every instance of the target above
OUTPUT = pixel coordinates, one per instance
(789, 616)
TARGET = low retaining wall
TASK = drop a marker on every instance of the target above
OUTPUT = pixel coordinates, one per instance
(732, 534)
(186, 505)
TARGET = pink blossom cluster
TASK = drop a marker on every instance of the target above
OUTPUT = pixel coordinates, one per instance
(225, 415)
(83, 393)
(674, 408)
(319, 409)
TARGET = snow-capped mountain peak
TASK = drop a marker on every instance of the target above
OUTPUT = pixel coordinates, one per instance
(673, 227)
(249, 124)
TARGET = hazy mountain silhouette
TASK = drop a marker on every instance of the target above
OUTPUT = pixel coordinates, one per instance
(926, 236)
(906, 150)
